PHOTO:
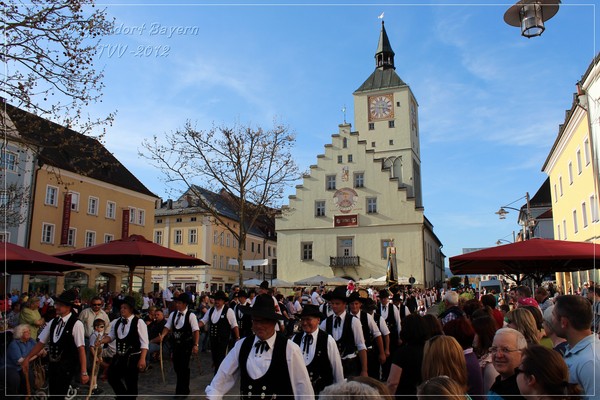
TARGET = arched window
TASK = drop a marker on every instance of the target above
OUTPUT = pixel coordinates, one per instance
(43, 283)
(138, 282)
(76, 279)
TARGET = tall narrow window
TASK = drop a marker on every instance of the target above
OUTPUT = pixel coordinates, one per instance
(193, 236)
(558, 231)
(307, 251)
(565, 228)
(345, 143)
(594, 208)
(51, 196)
(371, 205)
(359, 179)
(319, 208)
(560, 185)
(111, 209)
(48, 233)
(9, 160)
(340, 159)
(158, 237)
(586, 150)
(570, 173)
(108, 238)
(579, 165)
(93, 205)
(141, 217)
(330, 182)
(584, 216)
(74, 201)
(90, 238)
(71, 237)
(178, 239)
(575, 225)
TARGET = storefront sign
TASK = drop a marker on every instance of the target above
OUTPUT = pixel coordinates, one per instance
(345, 220)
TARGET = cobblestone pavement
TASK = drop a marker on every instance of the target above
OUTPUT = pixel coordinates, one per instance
(151, 386)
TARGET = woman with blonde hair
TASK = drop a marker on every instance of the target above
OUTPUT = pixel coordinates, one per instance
(523, 320)
(444, 356)
(30, 315)
(440, 387)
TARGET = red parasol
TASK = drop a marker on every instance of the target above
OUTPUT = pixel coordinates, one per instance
(19, 260)
(134, 251)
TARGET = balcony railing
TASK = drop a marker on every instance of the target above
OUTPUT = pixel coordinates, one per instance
(346, 261)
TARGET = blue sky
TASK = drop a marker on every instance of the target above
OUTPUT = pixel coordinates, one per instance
(490, 101)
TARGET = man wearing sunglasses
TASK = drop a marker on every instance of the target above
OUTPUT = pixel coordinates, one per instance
(89, 315)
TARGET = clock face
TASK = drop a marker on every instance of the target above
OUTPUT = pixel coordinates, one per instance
(381, 107)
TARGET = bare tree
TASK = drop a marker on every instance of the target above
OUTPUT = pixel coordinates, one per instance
(49, 49)
(252, 166)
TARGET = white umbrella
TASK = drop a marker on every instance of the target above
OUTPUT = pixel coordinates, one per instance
(252, 282)
(279, 283)
(312, 281)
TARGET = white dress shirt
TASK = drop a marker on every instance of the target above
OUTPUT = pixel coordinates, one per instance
(78, 332)
(359, 339)
(123, 330)
(192, 318)
(257, 365)
(373, 328)
(385, 313)
(332, 352)
(216, 315)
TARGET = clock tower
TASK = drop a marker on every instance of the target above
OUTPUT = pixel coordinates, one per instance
(386, 116)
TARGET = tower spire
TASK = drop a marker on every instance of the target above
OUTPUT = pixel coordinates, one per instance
(384, 56)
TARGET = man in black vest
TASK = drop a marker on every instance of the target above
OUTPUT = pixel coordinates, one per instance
(243, 319)
(391, 315)
(65, 339)
(221, 323)
(267, 365)
(348, 334)
(376, 351)
(186, 335)
(320, 352)
(131, 335)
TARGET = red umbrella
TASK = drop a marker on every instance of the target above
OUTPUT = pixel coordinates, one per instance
(535, 258)
(134, 251)
(19, 260)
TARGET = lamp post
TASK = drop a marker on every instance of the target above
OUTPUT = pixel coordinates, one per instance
(529, 224)
(530, 15)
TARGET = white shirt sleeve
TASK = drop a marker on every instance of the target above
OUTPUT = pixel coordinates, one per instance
(79, 334)
(359, 339)
(45, 334)
(168, 324)
(335, 359)
(143, 333)
(194, 322)
(231, 318)
(383, 327)
(373, 326)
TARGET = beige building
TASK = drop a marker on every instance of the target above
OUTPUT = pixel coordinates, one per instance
(364, 194)
(572, 166)
(184, 226)
(81, 196)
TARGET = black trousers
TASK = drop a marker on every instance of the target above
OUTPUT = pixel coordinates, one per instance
(351, 367)
(373, 365)
(60, 377)
(123, 376)
(218, 351)
(181, 364)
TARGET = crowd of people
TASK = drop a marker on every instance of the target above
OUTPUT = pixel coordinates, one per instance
(314, 342)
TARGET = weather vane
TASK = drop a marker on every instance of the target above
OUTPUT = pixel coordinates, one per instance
(344, 112)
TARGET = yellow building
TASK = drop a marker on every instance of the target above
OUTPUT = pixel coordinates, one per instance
(364, 194)
(184, 226)
(81, 196)
(573, 170)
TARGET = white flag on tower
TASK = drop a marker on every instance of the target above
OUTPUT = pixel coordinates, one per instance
(381, 16)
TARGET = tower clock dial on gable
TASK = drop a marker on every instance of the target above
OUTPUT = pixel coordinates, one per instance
(381, 107)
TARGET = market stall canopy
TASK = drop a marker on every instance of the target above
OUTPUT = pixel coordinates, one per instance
(533, 258)
(134, 251)
(317, 279)
(19, 260)
(248, 264)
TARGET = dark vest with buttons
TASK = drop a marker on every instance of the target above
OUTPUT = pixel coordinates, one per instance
(319, 369)
(183, 336)
(244, 322)
(219, 332)
(64, 352)
(275, 382)
(345, 344)
(130, 344)
(367, 334)
(392, 324)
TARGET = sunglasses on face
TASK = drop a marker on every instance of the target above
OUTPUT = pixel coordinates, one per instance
(96, 305)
